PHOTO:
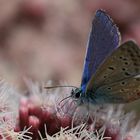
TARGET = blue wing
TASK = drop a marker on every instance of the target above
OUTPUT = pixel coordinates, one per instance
(104, 37)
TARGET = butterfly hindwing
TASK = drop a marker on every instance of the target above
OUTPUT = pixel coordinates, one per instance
(122, 64)
(124, 91)
(104, 38)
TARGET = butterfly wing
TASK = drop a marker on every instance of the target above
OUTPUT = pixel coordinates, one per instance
(104, 37)
(124, 91)
(124, 62)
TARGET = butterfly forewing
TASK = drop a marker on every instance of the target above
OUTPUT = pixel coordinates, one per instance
(123, 63)
(104, 38)
(124, 91)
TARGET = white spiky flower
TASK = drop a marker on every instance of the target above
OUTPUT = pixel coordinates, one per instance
(77, 133)
(9, 99)
(13, 135)
(107, 121)
(7, 129)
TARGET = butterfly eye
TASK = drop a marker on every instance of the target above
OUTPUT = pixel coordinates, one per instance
(77, 95)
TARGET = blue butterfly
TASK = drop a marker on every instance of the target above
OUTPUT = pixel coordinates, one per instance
(111, 72)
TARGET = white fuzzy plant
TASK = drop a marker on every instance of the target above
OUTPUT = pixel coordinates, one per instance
(9, 109)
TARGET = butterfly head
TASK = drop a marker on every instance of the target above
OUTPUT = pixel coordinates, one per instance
(76, 93)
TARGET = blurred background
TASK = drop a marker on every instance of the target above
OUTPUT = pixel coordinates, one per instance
(46, 39)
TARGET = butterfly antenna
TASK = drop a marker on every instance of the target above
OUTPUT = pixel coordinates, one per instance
(50, 87)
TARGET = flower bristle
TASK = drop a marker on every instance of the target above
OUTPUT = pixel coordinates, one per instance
(40, 117)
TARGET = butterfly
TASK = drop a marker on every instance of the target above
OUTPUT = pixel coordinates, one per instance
(111, 71)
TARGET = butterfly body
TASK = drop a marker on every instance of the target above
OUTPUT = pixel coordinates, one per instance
(82, 97)
(111, 72)
(89, 97)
